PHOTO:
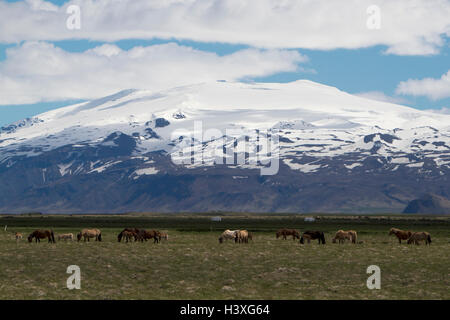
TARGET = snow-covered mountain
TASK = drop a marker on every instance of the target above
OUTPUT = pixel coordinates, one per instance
(328, 143)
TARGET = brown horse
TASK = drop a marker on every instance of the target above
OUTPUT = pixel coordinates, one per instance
(312, 235)
(164, 236)
(354, 235)
(420, 236)
(42, 234)
(288, 232)
(400, 234)
(128, 235)
(242, 236)
(134, 231)
(90, 233)
(152, 234)
(341, 236)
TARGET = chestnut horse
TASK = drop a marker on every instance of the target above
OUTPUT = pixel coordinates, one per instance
(145, 235)
(400, 234)
(312, 235)
(341, 236)
(164, 235)
(288, 232)
(42, 234)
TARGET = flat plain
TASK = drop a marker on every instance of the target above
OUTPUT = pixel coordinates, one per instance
(193, 265)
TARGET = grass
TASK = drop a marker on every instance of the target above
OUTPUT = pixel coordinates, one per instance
(193, 265)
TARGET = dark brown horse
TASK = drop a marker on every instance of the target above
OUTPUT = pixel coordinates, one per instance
(152, 234)
(135, 232)
(312, 235)
(42, 234)
(288, 232)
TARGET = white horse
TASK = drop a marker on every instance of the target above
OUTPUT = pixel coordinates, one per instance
(228, 235)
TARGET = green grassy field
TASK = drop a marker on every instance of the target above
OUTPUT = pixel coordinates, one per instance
(193, 265)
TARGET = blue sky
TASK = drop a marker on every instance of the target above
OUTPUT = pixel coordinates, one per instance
(364, 69)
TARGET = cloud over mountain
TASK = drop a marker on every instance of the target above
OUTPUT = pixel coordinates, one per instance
(40, 71)
(406, 27)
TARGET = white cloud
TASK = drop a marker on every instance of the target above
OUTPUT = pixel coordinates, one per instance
(443, 110)
(381, 96)
(39, 71)
(434, 89)
(408, 27)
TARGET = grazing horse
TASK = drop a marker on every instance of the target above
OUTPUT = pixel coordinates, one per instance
(135, 232)
(400, 234)
(19, 236)
(65, 236)
(288, 232)
(164, 236)
(42, 234)
(228, 235)
(90, 233)
(420, 236)
(312, 235)
(145, 235)
(341, 236)
(241, 236)
(128, 235)
(353, 234)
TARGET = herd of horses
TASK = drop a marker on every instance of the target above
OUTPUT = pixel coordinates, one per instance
(238, 236)
(128, 234)
(242, 236)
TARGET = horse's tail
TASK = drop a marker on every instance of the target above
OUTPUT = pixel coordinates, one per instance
(100, 236)
(429, 238)
(322, 236)
(53, 236)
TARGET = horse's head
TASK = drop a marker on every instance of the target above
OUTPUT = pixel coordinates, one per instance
(334, 240)
(220, 239)
(322, 236)
(391, 231)
(78, 236)
(278, 234)
(301, 240)
(30, 237)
